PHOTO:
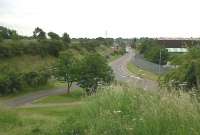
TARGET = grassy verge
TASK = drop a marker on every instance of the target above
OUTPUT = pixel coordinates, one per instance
(117, 110)
(141, 73)
(113, 57)
(75, 95)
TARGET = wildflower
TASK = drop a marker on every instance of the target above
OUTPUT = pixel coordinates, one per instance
(129, 128)
(134, 119)
(117, 111)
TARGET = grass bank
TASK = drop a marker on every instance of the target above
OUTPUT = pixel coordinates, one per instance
(141, 73)
(116, 110)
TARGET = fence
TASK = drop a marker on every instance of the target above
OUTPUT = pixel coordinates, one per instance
(146, 65)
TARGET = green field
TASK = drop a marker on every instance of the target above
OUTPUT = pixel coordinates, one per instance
(116, 110)
(141, 73)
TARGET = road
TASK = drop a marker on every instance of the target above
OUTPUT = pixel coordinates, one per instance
(121, 73)
(29, 98)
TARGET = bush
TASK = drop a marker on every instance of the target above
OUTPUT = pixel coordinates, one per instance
(94, 72)
(12, 81)
(42, 48)
(36, 78)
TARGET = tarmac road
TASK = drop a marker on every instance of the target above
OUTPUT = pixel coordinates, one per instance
(122, 74)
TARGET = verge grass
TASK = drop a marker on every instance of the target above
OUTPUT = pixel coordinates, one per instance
(73, 96)
(141, 73)
(115, 110)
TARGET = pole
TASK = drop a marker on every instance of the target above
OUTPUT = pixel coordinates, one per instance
(160, 61)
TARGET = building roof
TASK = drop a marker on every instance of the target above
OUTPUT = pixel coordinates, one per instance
(175, 43)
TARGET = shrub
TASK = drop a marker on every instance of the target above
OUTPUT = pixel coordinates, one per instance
(10, 82)
(94, 71)
(36, 78)
(42, 48)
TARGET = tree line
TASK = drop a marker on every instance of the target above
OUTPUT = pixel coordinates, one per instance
(37, 45)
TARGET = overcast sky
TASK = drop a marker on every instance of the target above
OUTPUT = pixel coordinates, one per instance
(92, 18)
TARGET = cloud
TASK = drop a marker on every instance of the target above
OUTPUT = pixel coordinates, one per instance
(91, 18)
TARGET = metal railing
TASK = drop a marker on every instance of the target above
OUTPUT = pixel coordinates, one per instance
(139, 61)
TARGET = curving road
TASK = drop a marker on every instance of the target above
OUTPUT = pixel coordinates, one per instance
(121, 73)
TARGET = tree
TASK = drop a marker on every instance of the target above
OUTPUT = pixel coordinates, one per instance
(66, 39)
(6, 33)
(153, 50)
(94, 71)
(53, 36)
(157, 54)
(1, 38)
(133, 42)
(67, 69)
(39, 34)
(187, 71)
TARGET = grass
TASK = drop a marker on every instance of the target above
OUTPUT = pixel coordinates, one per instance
(28, 62)
(34, 121)
(108, 51)
(116, 110)
(75, 95)
(141, 73)
(49, 86)
(113, 57)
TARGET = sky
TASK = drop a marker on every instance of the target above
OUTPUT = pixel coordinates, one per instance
(92, 18)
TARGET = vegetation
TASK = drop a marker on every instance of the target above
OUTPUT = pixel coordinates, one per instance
(94, 71)
(67, 69)
(28, 62)
(39, 34)
(53, 36)
(12, 81)
(6, 33)
(186, 75)
(74, 96)
(153, 51)
(66, 39)
(118, 110)
(141, 73)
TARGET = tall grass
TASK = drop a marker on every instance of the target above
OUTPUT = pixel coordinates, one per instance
(116, 110)
(126, 111)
